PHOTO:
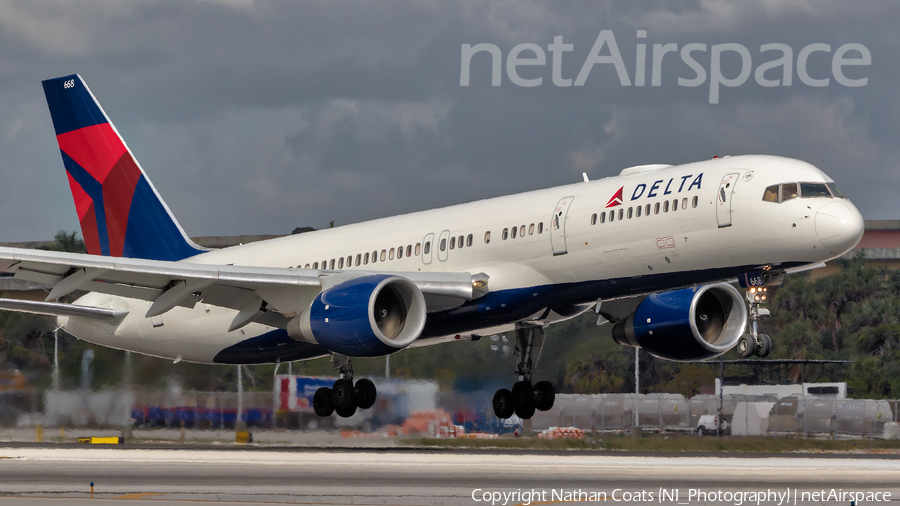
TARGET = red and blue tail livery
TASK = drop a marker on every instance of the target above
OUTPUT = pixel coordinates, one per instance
(120, 212)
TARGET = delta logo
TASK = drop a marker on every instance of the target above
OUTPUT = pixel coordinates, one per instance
(672, 186)
(616, 199)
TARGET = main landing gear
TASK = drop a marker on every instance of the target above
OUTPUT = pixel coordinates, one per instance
(344, 397)
(525, 398)
(754, 343)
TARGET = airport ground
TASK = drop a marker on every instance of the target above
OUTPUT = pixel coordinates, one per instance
(47, 474)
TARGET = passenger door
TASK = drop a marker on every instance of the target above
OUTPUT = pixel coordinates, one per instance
(558, 226)
(723, 199)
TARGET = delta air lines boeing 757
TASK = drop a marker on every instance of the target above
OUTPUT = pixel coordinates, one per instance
(653, 250)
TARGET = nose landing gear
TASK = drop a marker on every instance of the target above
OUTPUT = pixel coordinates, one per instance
(525, 398)
(754, 343)
(344, 397)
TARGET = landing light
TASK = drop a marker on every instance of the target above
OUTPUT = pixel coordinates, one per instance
(479, 283)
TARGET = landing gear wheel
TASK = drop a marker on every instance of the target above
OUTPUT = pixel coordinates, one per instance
(544, 395)
(503, 404)
(523, 399)
(746, 345)
(322, 404)
(346, 412)
(701, 431)
(365, 393)
(342, 395)
(765, 345)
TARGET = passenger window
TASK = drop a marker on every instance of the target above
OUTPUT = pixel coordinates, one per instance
(771, 194)
(695, 201)
(349, 260)
(602, 217)
(514, 230)
(594, 219)
(383, 255)
(788, 191)
(469, 240)
(366, 259)
(531, 229)
(400, 252)
(487, 237)
(409, 250)
(814, 190)
(460, 241)
(452, 242)
(428, 247)
(835, 190)
(541, 227)
(315, 265)
(656, 208)
(522, 231)
(444, 244)
(391, 254)
(341, 263)
(684, 203)
(374, 256)
(621, 214)
(612, 216)
(418, 248)
(666, 206)
(306, 267)
(324, 264)
(647, 210)
(331, 264)
(630, 213)
(505, 234)
(675, 205)
(637, 211)
(358, 259)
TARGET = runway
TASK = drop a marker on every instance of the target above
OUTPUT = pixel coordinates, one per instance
(36, 476)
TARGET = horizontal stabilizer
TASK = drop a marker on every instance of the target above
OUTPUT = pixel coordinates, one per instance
(60, 309)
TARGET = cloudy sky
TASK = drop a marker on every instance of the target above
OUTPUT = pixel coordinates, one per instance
(256, 117)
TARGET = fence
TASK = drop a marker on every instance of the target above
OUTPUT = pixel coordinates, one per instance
(745, 414)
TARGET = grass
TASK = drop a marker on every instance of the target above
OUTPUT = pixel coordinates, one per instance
(672, 443)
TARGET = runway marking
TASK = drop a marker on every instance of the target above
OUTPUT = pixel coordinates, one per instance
(138, 495)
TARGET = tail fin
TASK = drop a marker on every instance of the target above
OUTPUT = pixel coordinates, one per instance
(120, 211)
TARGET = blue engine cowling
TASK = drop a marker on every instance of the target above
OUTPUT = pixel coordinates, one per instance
(687, 324)
(368, 316)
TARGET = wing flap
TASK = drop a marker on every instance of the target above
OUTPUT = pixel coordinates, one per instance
(59, 309)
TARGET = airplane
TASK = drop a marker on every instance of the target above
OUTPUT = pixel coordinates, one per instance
(654, 250)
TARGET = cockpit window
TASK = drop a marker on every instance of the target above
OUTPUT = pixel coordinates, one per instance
(835, 190)
(814, 190)
(789, 191)
(771, 194)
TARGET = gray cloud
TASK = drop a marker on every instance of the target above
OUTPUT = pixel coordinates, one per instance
(257, 116)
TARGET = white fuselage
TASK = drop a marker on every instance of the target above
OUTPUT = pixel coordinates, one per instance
(721, 232)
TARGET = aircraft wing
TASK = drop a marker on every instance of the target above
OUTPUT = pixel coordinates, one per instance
(269, 295)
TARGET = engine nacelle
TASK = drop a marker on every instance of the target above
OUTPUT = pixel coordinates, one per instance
(687, 324)
(369, 316)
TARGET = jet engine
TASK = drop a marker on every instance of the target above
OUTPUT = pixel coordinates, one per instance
(368, 316)
(686, 324)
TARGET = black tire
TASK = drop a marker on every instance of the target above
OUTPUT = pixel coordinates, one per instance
(322, 404)
(342, 394)
(765, 346)
(769, 342)
(701, 431)
(365, 393)
(544, 395)
(346, 412)
(503, 404)
(523, 399)
(746, 346)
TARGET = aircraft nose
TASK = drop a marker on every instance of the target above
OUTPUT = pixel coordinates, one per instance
(839, 226)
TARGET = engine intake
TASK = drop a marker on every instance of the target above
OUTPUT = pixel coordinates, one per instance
(368, 316)
(687, 324)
